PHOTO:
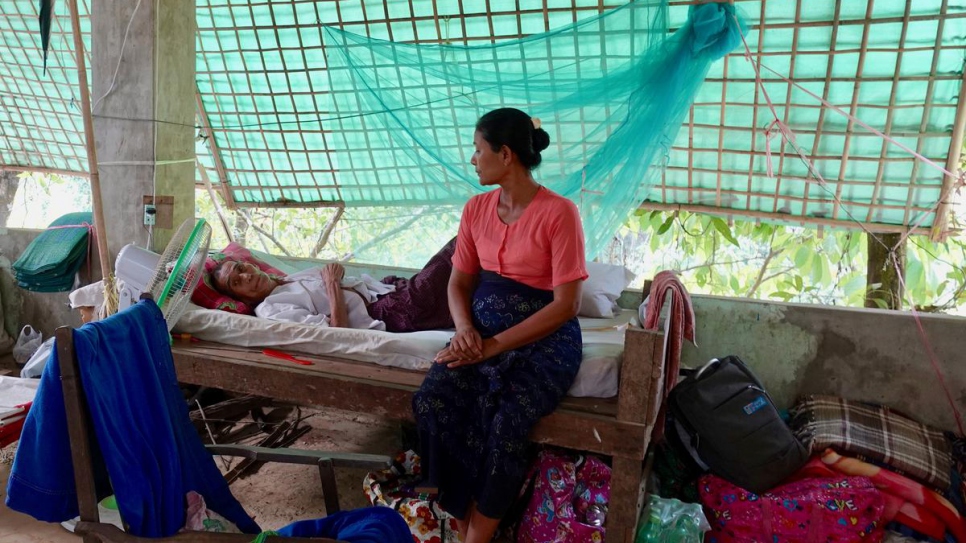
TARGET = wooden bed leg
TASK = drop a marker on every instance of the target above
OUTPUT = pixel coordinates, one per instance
(626, 497)
(638, 402)
(330, 492)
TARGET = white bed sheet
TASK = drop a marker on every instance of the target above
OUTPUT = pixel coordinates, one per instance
(598, 376)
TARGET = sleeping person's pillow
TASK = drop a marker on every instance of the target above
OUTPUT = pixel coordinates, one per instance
(603, 287)
(207, 296)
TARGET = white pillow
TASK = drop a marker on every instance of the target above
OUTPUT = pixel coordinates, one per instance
(602, 288)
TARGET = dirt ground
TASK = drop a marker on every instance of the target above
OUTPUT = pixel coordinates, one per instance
(279, 494)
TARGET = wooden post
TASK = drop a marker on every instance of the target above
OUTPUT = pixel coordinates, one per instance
(638, 401)
(78, 427)
(99, 225)
(883, 269)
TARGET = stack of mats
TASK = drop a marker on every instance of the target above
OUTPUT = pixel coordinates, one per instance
(51, 261)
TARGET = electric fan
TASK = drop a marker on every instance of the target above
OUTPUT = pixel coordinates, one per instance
(180, 268)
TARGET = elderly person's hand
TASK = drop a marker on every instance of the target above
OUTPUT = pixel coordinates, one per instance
(333, 273)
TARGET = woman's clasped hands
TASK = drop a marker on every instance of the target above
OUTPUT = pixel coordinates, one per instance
(465, 348)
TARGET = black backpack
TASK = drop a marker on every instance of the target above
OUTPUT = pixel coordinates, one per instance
(729, 425)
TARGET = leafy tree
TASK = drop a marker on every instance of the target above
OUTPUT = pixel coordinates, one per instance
(787, 263)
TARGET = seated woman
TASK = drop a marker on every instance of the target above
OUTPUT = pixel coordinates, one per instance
(318, 295)
(514, 295)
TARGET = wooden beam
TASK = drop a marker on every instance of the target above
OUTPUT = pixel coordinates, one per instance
(782, 217)
(215, 153)
(387, 392)
(16, 168)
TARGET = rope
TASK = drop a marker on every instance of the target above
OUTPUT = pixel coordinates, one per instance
(789, 136)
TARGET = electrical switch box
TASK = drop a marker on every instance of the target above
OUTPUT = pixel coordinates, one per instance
(149, 214)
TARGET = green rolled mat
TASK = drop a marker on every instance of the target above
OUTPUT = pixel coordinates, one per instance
(52, 259)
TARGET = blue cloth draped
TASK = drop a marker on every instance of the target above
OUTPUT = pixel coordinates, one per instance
(365, 525)
(148, 445)
(474, 421)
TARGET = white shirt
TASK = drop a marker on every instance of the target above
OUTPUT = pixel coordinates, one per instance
(304, 299)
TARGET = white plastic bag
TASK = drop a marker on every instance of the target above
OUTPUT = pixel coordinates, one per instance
(27, 344)
(34, 367)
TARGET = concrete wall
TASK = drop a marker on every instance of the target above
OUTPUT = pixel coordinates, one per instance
(43, 311)
(861, 354)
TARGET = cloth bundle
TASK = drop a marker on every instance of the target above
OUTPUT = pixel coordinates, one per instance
(876, 434)
(52, 259)
(840, 508)
(396, 488)
(906, 502)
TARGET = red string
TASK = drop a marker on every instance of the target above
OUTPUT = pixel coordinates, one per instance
(789, 136)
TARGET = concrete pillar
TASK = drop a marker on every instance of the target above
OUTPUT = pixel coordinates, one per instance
(155, 81)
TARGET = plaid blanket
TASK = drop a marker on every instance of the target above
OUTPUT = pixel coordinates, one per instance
(875, 434)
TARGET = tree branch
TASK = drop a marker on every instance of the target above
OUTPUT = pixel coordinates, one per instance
(379, 239)
(713, 263)
(326, 232)
(264, 233)
(772, 253)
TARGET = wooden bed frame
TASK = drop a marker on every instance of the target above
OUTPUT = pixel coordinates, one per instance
(618, 427)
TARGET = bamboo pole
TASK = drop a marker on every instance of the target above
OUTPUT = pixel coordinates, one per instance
(100, 227)
(939, 230)
(887, 130)
(927, 107)
(215, 153)
(211, 194)
(853, 108)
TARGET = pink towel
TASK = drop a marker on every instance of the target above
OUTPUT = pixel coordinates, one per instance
(681, 327)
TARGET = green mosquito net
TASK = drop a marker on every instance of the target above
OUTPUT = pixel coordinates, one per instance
(611, 91)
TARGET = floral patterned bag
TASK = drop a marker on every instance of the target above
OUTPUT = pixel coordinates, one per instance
(569, 500)
(395, 488)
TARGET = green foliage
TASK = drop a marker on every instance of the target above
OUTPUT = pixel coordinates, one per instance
(780, 262)
(41, 198)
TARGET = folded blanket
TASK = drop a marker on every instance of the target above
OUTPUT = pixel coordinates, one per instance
(876, 434)
(926, 505)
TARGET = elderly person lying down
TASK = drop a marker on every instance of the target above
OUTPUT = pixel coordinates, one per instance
(324, 296)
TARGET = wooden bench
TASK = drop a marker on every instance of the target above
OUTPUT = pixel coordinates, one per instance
(617, 427)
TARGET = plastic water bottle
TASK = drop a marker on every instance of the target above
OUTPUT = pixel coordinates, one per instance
(687, 529)
(652, 531)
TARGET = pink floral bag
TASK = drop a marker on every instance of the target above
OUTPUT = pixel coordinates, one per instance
(569, 500)
(839, 510)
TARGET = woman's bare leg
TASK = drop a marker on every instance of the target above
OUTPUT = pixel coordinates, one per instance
(463, 526)
(481, 527)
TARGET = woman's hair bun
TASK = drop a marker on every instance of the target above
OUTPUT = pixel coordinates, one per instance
(541, 139)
